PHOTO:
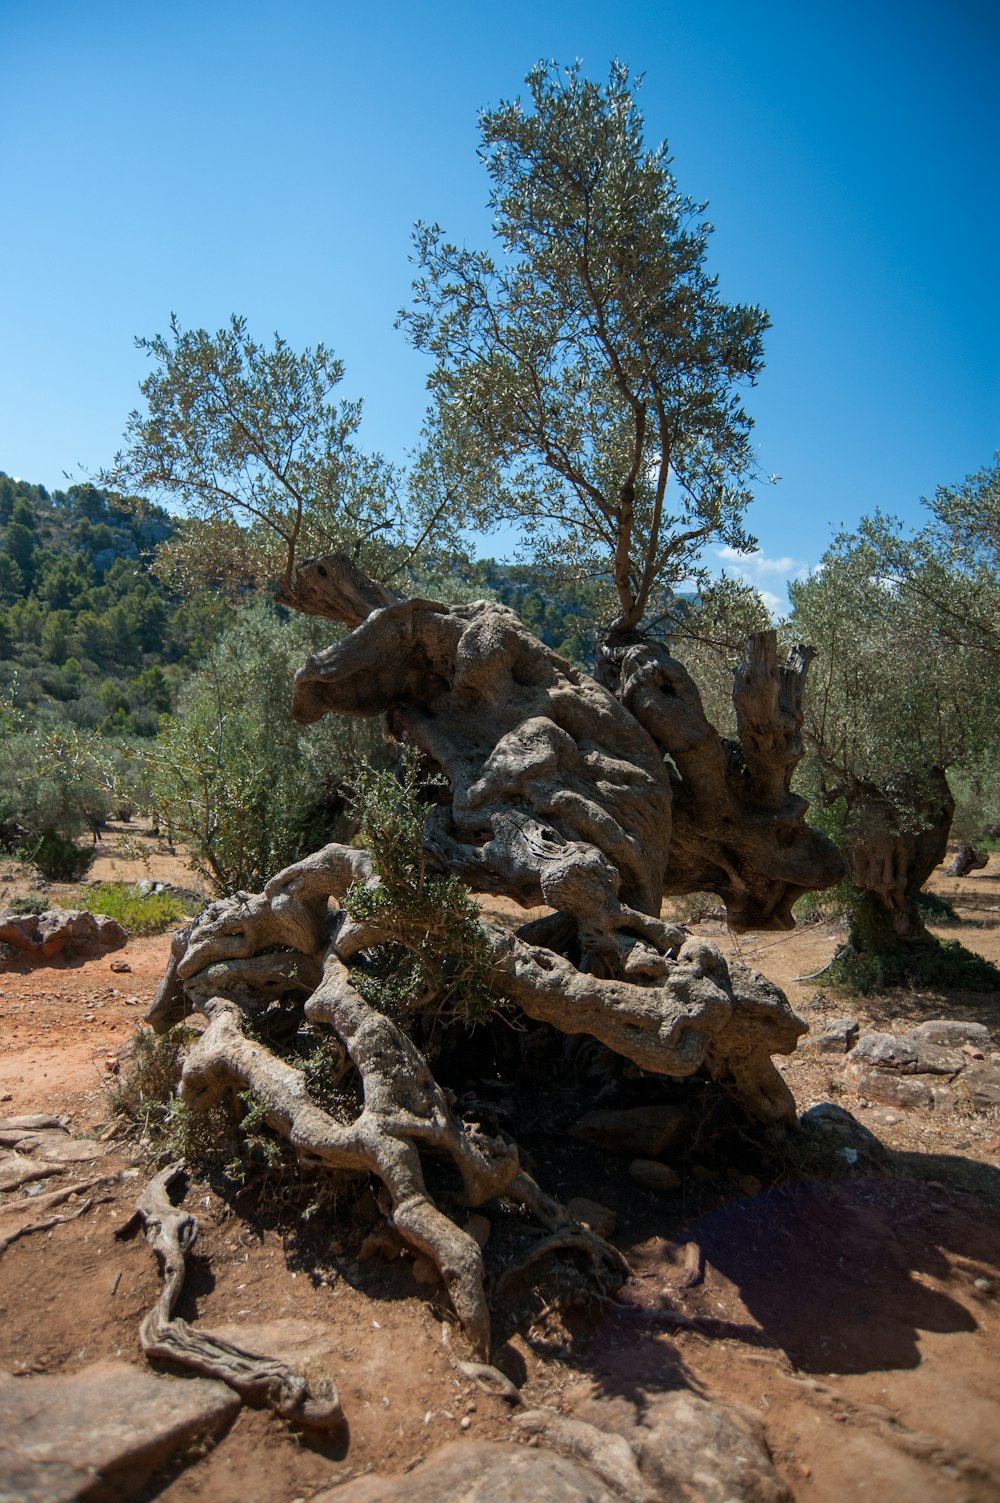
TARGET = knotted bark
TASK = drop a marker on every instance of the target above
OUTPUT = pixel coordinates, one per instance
(558, 794)
(738, 830)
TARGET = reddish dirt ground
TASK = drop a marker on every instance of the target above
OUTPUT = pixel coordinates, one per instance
(858, 1317)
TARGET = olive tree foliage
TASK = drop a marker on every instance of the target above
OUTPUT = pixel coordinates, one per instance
(57, 783)
(952, 564)
(950, 570)
(234, 778)
(258, 448)
(898, 704)
(587, 372)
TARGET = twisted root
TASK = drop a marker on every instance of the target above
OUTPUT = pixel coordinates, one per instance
(171, 1233)
(679, 1009)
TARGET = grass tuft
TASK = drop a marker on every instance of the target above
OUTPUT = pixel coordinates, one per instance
(138, 912)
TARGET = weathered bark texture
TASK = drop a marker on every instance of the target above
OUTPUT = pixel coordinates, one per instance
(893, 862)
(738, 830)
(558, 796)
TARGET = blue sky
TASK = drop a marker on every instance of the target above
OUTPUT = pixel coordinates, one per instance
(218, 157)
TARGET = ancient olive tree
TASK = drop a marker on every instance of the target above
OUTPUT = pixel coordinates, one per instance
(587, 383)
(553, 794)
(594, 372)
(899, 704)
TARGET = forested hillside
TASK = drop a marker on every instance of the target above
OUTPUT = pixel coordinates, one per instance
(88, 635)
(118, 693)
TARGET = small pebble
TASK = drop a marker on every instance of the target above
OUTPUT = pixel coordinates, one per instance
(465, 1423)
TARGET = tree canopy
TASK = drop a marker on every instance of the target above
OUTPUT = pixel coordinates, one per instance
(588, 368)
(262, 452)
(901, 700)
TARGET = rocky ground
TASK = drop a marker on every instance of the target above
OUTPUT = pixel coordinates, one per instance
(822, 1328)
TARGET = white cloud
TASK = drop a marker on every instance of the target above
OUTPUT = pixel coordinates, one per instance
(764, 573)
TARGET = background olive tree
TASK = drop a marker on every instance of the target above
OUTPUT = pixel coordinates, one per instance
(900, 704)
(234, 778)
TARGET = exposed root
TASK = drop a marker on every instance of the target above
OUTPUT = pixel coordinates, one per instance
(171, 1233)
(45, 1225)
(51, 1197)
(668, 1012)
(403, 1108)
(491, 1380)
(608, 1267)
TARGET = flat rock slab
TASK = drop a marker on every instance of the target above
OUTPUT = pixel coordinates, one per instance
(952, 1033)
(906, 1054)
(479, 1471)
(637, 1132)
(934, 1066)
(676, 1446)
(100, 1433)
(692, 1448)
(60, 1148)
(54, 1147)
(928, 1092)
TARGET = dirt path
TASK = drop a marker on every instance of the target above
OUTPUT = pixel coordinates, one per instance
(857, 1317)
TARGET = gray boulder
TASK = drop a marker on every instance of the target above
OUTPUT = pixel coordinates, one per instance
(479, 1471)
(101, 1432)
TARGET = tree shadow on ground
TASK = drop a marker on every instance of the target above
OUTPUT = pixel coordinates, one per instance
(844, 1275)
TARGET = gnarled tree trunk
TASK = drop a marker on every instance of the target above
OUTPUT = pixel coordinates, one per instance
(558, 794)
(891, 854)
(738, 830)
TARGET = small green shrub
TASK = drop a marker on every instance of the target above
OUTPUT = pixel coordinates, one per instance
(208, 1141)
(138, 912)
(936, 910)
(436, 957)
(58, 858)
(27, 905)
(143, 1093)
(931, 963)
(144, 1096)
